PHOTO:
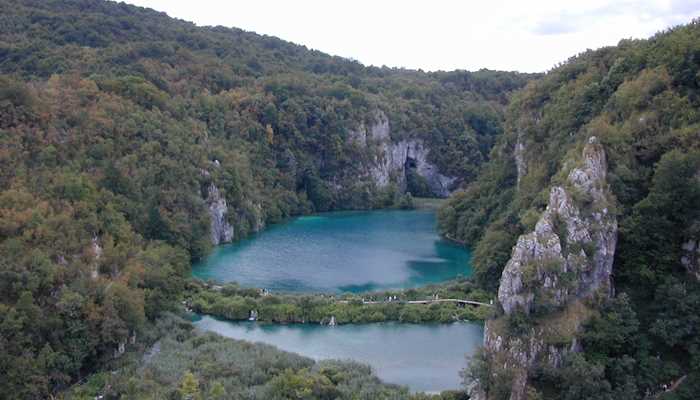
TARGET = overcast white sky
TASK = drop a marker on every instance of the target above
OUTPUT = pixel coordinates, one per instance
(526, 35)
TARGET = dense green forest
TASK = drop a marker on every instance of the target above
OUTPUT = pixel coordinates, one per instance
(642, 100)
(115, 122)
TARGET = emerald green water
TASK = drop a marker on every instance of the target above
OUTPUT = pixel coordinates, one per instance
(343, 251)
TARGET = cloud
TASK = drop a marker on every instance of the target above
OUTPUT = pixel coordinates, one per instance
(554, 27)
(685, 7)
(649, 12)
(529, 36)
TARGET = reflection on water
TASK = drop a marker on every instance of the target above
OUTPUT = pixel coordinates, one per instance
(422, 357)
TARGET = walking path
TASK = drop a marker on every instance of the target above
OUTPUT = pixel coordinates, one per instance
(458, 301)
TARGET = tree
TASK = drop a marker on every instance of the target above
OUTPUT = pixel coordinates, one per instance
(189, 387)
(582, 380)
(650, 247)
(611, 333)
(217, 391)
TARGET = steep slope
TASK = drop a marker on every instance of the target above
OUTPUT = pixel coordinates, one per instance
(152, 139)
(283, 116)
(575, 235)
(552, 273)
(641, 100)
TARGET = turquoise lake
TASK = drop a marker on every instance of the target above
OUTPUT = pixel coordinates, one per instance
(423, 357)
(353, 252)
(341, 251)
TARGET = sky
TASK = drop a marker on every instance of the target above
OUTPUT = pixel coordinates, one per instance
(525, 35)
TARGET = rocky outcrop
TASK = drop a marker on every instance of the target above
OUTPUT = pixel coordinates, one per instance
(395, 160)
(378, 131)
(573, 239)
(567, 258)
(416, 156)
(221, 230)
(691, 257)
(517, 356)
(392, 160)
(519, 156)
(257, 222)
(96, 249)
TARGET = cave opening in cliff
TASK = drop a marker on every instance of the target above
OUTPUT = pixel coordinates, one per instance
(410, 163)
(416, 184)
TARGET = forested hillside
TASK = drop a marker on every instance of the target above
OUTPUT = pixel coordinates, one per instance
(131, 142)
(641, 100)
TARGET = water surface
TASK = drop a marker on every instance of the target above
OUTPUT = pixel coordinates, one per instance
(341, 251)
(424, 357)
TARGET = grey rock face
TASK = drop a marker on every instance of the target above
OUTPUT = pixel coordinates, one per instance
(570, 239)
(567, 258)
(417, 153)
(391, 159)
(221, 230)
(394, 160)
(259, 223)
(520, 355)
(97, 254)
(378, 131)
(691, 257)
(519, 155)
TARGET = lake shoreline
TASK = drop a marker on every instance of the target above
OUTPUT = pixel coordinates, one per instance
(346, 251)
(456, 300)
(421, 357)
(387, 272)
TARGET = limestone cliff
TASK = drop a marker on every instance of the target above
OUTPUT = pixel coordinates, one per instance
(519, 156)
(566, 259)
(96, 250)
(526, 124)
(391, 161)
(381, 161)
(221, 230)
(377, 131)
(691, 257)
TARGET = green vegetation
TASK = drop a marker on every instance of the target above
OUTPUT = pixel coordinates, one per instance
(186, 364)
(235, 303)
(116, 120)
(429, 203)
(641, 99)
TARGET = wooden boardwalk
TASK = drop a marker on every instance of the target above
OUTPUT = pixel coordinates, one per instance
(458, 301)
